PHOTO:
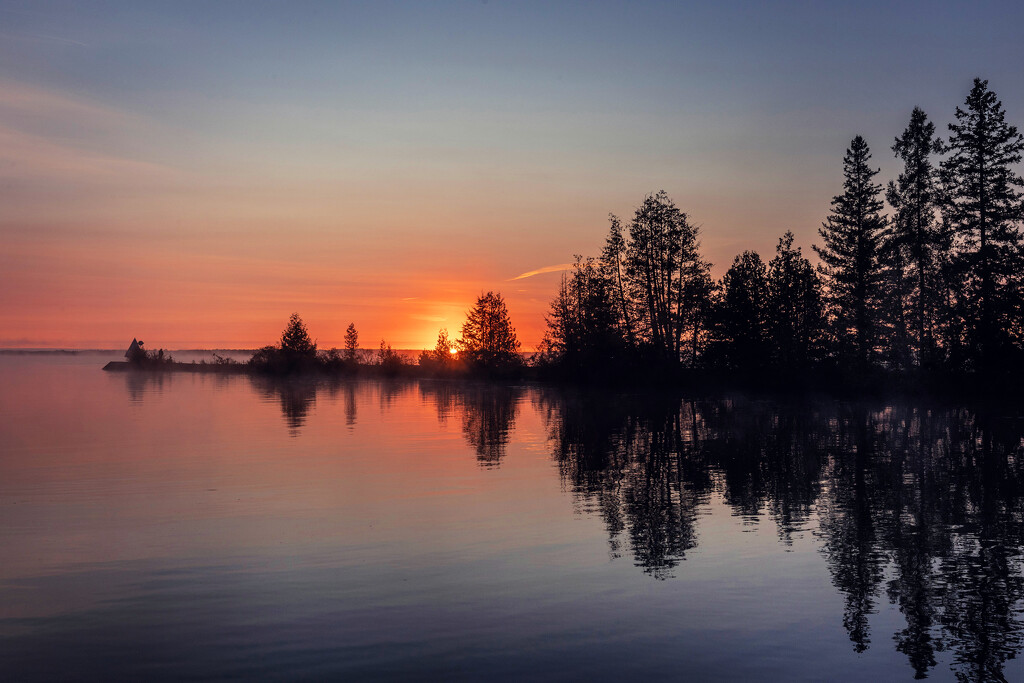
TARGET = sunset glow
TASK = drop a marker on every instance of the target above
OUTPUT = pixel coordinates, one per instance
(193, 176)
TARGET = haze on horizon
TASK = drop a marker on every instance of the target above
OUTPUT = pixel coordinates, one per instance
(192, 173)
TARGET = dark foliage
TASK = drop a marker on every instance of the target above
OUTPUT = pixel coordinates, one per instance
(850, 258)
(982, 207)
(488, 341)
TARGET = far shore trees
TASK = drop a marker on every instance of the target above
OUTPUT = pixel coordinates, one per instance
(440, 359)
(488, 339)
(296, 352)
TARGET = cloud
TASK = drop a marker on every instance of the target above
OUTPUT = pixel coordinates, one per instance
(28, 100)
(48, 136)
(557, 268)
(25, 155)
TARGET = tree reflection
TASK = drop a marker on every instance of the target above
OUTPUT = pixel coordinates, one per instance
(920, 506)
(488, 413)
(296, 397)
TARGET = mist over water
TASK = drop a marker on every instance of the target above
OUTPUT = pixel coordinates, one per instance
(190, 526)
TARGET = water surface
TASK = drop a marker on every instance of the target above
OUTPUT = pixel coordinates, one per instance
(184, 526)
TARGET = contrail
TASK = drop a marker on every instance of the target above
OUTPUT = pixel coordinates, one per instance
(546, 269)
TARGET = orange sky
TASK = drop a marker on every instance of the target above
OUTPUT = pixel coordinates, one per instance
(217, 250)
(193, 177)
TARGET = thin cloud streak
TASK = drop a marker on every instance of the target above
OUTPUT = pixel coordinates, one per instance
(558, 267)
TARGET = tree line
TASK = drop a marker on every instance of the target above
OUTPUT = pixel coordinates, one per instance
(934, 285)
(487, 345)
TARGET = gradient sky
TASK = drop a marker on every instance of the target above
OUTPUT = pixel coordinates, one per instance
(192, 173)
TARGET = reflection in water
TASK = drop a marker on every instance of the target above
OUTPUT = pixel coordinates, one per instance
(920, 507)
(916, 507)
(139, 384)
(488, 414)
(297, 397)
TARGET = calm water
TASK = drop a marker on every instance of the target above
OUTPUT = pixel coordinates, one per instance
(184, 527)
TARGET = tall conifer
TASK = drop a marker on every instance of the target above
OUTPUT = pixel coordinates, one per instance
(982, 205)
(915, 245)
(852, 236)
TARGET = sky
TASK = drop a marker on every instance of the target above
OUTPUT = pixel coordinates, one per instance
(193, 173)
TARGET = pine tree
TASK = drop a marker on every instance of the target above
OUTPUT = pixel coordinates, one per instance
(351, 343)
(583, 330)
(488, 338)
(915, 245)
(982, 205)
(852, 237)
(742, 316)
(614, 269)
(442, 353)
(795, 315)
(295, 340)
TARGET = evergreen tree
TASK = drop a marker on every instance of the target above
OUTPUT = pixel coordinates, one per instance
(915, 246)
(295, 340)
(488, 338)
(852, 237)
(794, 305)
(982, 205)
(698, 301)
(351, 344)
(742, 315)
(442, 353)
(614, 268)
(582, 324)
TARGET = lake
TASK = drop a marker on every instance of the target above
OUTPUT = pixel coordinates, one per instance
(188, 526)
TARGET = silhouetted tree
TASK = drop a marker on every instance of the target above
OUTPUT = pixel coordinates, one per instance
(351, 344)
(662, 262)
(698, 297)
(982, 205)
(488, 338)
(794, 306)
(915, 246)
(295, 340)
(852, 236)
(294, 353)
(742, 314)
(443, 347)
(614, 267)
(388, 359)
(582, 329)
(440, 358)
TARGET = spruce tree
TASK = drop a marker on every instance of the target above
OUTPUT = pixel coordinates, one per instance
(915, 244)
(488, 338)
(795, 316)
(295, 340)
(982, 205)
(742, 316)
(850, 263)
(351, 344)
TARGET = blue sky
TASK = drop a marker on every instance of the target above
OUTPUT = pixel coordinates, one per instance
(428, 151)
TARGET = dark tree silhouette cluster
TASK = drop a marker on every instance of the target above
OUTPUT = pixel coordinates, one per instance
(937, 284)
